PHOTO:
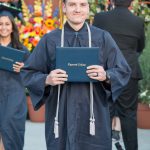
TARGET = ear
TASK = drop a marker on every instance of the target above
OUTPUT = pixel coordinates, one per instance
(64, 8)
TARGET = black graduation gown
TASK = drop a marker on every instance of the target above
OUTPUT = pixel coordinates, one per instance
(74, 111)
(13, 109)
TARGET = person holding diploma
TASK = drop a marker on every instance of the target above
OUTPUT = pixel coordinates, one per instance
(13, 107)
(77, 113)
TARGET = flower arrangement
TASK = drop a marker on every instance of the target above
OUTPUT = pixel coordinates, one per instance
(39, 20)
(141, 9)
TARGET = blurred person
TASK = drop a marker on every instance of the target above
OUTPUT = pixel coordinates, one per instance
(77, 113)
(128, 32)
(13, 107)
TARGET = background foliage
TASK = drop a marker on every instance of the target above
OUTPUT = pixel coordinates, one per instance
(145, 64)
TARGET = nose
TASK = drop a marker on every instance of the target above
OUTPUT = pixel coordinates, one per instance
(78, 8)
(3, 26)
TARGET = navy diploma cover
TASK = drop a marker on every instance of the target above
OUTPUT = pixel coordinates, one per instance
(75, 60)
(8, 57)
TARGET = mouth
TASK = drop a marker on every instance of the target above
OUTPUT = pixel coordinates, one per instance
(77, 14)
(3, 32)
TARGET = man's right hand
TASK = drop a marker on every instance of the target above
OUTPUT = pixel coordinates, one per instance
(56, 77)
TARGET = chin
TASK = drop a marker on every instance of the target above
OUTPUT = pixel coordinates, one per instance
(78, 21)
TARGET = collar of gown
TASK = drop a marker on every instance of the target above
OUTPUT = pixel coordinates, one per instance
(69, 28)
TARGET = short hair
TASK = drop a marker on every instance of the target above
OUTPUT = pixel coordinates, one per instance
(125, 3)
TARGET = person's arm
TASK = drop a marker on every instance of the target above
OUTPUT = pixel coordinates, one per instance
(56, 77)
(36, 69)
(115, 65)
(96, 72)
(18, 65)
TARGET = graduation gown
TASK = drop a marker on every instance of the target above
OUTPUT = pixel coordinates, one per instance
(13, 109)
(74, 107)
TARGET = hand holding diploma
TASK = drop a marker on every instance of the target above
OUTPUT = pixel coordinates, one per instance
(17, 66)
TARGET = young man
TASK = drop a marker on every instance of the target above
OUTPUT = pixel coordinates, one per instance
(128, 32)
(68, 108)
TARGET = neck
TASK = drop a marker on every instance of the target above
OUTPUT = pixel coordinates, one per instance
(5, 41)
(76, 27)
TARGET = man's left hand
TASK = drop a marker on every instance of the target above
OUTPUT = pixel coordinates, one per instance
(96, 72)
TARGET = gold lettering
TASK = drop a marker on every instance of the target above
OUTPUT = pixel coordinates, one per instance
(81, 65)
(72, 65)
(76, 65)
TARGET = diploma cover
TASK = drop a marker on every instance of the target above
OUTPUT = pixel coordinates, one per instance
(75, 60)
(8, 57)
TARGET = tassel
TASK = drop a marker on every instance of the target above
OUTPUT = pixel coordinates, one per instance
(56, 128)
(92, 127)
(56, 123)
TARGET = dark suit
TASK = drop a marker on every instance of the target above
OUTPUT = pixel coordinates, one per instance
(128, 32)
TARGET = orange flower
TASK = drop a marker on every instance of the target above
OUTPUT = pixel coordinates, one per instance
(34, 42)
(37, 25)
(26, 41)
(49, 23)
(37, 30)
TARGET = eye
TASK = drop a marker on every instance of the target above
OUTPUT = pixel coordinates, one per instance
(84, 4)
(7, 24)
(71, 4)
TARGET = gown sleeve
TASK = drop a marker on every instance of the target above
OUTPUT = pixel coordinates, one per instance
(27, 53)
(35, 71)
(116, 66)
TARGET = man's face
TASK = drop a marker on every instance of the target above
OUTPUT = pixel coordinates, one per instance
(76, 11)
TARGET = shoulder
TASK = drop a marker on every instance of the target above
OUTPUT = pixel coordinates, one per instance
(101, 18)
(52, 36)
(54, 32)
(95, 29)
(98, 31)
(100, 35)
(138, 19)
(101, 14)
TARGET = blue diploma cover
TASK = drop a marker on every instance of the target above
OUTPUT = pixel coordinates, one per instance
(75, 60)
(8, 57)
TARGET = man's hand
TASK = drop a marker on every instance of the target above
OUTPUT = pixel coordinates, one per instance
(96, 72)
(17, 66)
(56, 77)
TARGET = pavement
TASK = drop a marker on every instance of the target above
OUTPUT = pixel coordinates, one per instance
(35, 137)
